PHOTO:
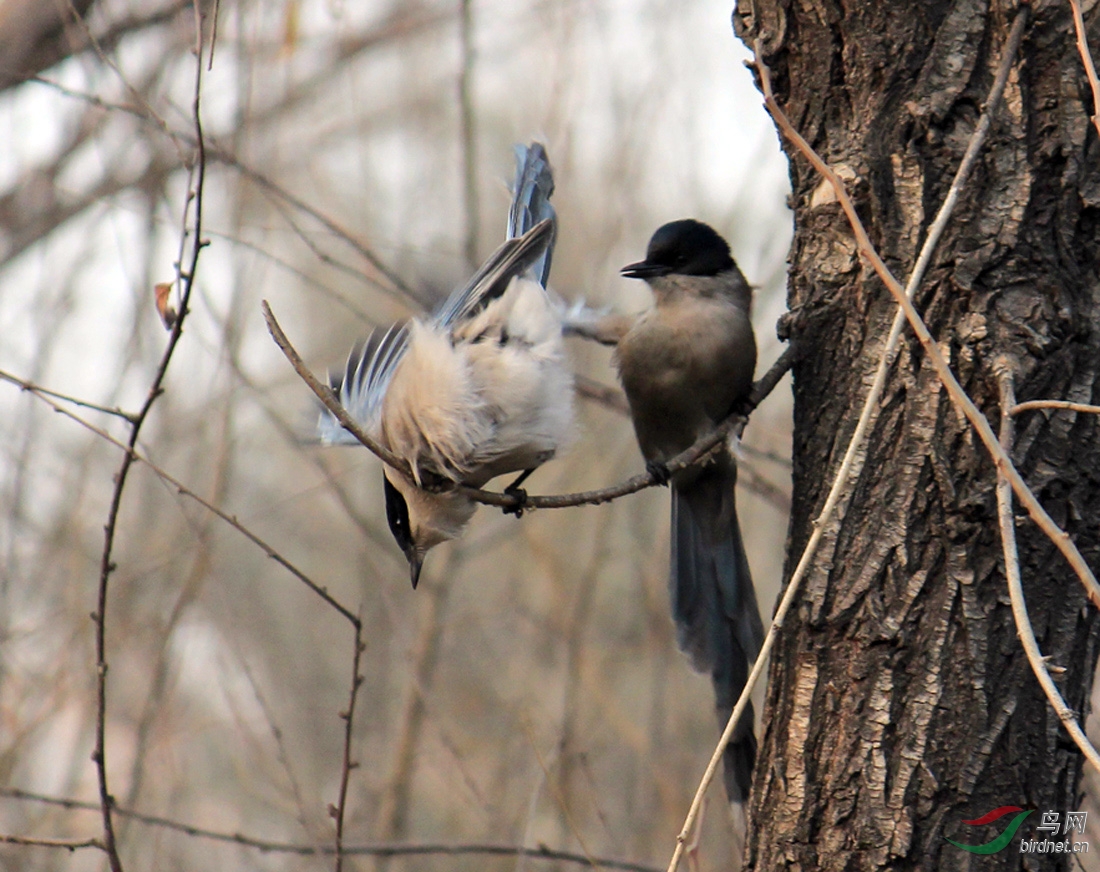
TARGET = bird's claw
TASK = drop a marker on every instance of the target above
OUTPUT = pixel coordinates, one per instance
(520, 497)
(743, 408)
(658, 471)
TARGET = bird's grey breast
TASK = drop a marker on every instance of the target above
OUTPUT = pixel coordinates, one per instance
(684, 364)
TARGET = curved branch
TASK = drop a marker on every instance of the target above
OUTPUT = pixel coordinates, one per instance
(383, 849)
(327, 396)
(1054, 404)
(1024, 630)
(107, 565)
(509, 501)
(703, 446)
(347, 763)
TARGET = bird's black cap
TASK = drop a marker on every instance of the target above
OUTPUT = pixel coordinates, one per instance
(687, 247)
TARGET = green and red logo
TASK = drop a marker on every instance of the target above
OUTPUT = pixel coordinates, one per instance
(1001, 842)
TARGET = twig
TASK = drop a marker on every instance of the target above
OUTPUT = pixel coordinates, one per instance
(1086, 60)
(768, 455)
(1024, 629)
(778, 498)
(67, 844)
(305, 277)
(326, 395)
(1054, 404)
(78, 39)
(701, 448)
(213, 34)
(347, 764)
(107, 566)
(396, 287)
(84, 404)
(468, 129)
(147, 111)
(376, 850)
(286, 211)
(281, 751)
(867, 413)
(392, 814)
(958, 396)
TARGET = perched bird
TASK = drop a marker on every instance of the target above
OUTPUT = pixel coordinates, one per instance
(685, 364)
(479, 389)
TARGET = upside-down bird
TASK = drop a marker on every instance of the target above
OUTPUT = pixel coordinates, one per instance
(477, 390)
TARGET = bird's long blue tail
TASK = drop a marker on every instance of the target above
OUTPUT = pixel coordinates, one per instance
(714, 602)
(531, 201)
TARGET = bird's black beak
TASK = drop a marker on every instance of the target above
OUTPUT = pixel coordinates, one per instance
(416, 563)
(643, 269)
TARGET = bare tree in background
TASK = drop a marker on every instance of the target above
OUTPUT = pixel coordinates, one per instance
(900, 701)
(355, 156)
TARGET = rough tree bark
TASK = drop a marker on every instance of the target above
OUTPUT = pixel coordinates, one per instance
(900, 703)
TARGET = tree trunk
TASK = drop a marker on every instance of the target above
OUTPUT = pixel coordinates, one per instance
(900, 703)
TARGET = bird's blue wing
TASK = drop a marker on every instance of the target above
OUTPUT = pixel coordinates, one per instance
(366, 379)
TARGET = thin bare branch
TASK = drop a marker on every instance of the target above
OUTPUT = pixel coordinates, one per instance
(79, 39)
(67, 844)
(700, 449)
(107, 565)
(146, 109)
(468, 131)
(540, 852)
(559, 800)
(396, 284)
(286, 209)
(84, 404)
(778, 498)
(770, 456)
(347, 763)
(1024, 630)
(327, 396)
(1086, 60)
(1054, 404)
(213, 33)
(601, 394)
